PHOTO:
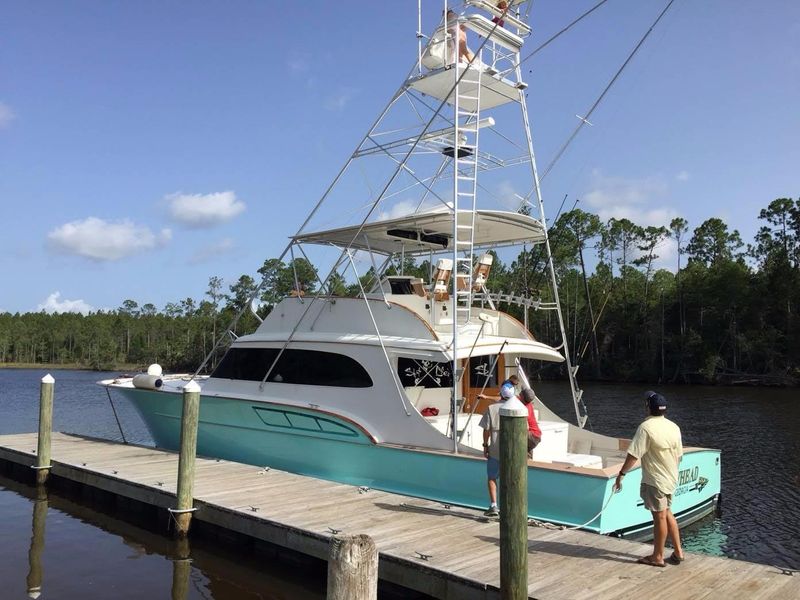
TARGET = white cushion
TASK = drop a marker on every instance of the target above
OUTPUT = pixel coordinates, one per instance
(581, 446)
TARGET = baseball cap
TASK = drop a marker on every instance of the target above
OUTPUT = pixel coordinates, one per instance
(507, 391)
(655, 401)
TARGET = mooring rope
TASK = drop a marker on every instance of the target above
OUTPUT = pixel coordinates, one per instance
(536, 523)
(119, 425)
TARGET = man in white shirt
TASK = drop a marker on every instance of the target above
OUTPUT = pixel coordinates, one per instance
(657, 443)
(490, 423)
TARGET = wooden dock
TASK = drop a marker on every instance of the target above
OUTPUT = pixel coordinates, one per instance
(445, 553)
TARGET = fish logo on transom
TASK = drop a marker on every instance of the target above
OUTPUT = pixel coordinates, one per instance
(687, 477)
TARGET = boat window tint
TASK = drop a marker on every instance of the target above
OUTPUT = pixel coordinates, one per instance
(307, 367)
(427, 373)
(248, 364)
(401, 286)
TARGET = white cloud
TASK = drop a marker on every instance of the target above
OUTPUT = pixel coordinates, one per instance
(633, 199)
(204, 210)
(6, 115)
(399, 209)
(54, 304)
(211, 251)
(507, 196)
(667, 252)
(101, 240)
(643, 201)
(409, 207)
(340, 98)
(682, 176)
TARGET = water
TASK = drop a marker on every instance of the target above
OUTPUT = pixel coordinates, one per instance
(757, 431)
(81, 407)
(69, 551)
(88, 554)
(72, 551)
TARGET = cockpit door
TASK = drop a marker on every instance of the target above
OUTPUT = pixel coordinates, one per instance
(480, 374)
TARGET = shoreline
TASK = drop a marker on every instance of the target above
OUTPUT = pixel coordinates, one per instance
(72, 367)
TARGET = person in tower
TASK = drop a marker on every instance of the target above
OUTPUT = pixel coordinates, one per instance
(459, 33)
(502, 5)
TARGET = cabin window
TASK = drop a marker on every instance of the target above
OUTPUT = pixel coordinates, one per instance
(425, 373)
(479, 368)
(306, 367)
(401, 286)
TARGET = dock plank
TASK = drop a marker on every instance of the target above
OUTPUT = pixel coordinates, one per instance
(300, 513)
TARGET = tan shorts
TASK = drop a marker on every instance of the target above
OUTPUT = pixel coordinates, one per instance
(654, 499)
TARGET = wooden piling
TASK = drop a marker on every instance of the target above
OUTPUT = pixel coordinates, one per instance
(35, 574)
(352, 568)
(513, 500)
(188, 453)
(181, 570)
(45, 428)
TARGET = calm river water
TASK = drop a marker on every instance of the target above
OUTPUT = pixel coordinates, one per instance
(83, 553)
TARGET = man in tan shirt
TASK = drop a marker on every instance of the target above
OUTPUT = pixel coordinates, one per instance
(657, 443)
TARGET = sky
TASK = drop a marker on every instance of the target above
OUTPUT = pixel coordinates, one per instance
(145, 147)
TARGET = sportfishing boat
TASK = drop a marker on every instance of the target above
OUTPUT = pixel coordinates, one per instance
(382, 389)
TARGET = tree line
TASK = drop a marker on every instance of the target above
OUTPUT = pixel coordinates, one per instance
(724, 312)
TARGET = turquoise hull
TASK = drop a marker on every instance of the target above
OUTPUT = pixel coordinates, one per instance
(321, 445)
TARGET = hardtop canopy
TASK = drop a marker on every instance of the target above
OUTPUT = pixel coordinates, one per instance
(431, 231)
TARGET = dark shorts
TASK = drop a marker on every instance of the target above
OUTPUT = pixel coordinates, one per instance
(492, 468)
(533, 441)
(654, 499)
